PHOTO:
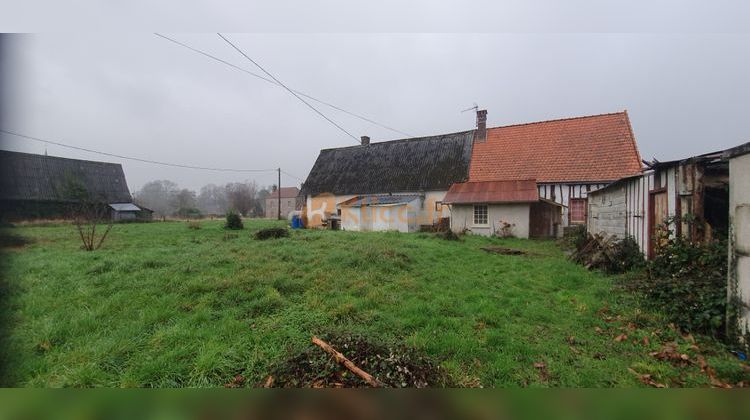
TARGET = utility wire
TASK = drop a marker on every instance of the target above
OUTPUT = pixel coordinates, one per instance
(236, 67)
(176, 165)
(293, 176)
(290, 91)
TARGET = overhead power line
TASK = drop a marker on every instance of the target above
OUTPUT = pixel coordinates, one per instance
(328, 104)
(289, 90)
(155, 162)
(293, 176)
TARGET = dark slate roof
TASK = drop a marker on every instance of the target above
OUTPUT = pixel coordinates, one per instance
(25, 176)
(379, 200)
(416, 164)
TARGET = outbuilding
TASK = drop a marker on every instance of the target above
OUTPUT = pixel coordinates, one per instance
(503, 208)
(687, 198)
(391, 212)
(123, 212)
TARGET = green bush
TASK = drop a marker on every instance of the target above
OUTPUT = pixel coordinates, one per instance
(688, 282)
(627, 256)
(271, 233)
(234, 221)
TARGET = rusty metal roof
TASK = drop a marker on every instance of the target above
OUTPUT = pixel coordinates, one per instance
(521, 191)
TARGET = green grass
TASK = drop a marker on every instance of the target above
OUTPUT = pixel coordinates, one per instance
(162, 305)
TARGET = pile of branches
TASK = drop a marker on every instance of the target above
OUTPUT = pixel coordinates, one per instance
(271, 233)
(607, 253)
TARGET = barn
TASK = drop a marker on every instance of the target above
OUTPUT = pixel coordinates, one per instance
(40, 186)
(688, 198)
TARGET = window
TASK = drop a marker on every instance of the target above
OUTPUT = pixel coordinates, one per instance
(480, 214)
(577, 213)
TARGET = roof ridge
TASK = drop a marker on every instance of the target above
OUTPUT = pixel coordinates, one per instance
(401, 140)
(625, 112)
(57, 157)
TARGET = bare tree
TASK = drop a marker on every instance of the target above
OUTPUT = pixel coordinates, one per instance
(242, 196)
(212, 199)
(87, 212)
(159, 196)
(87, 215)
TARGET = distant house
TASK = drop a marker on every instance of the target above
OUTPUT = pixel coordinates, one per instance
(39, 186)
(391, 185)
(289, 202)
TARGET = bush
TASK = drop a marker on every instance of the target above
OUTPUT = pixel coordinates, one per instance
(234, 221)
(628, 256)
(688, 282)
(194, 225)
(270, 233)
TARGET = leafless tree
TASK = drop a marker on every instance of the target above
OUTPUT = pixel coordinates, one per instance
(242, 196)
(87, 212)
(87, 216)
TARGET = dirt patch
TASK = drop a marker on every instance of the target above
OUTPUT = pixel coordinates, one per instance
(399, 367)
(271, 233)
(13, 241)
(503, 251)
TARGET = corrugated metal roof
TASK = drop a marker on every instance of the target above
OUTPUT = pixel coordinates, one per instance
(522, 191)
(25, 176)
(124, 207)
(408, 165)
(379, 200)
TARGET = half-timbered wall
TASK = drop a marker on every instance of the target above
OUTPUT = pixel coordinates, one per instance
(562, 193)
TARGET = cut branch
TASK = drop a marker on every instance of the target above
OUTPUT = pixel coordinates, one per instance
(341, 359)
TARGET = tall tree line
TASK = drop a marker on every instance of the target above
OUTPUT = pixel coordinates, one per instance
(165, 198)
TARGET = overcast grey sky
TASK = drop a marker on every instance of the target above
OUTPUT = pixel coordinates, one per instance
(137, 94)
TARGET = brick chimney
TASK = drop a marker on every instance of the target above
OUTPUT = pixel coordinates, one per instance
(480, 135)
(365, 140)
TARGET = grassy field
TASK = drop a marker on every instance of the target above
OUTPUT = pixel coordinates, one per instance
(163, 305)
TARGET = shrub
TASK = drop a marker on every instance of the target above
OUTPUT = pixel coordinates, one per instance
(448, 235)
(234, 221)
(194, 225)
(269, 233)
(627, 256)
(688, 282)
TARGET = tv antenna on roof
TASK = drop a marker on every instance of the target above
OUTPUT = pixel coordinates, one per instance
(475, 108)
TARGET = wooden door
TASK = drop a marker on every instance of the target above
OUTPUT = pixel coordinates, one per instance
(658, 214)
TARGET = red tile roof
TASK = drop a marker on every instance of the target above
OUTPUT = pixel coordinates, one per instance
(591, 148)
(521, 191)
(286, 192)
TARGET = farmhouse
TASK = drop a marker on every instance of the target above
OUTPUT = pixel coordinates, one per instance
(564, 158)
(388, 185)
(289, 202)
(490, 172)
(688, 198)
(40, 186)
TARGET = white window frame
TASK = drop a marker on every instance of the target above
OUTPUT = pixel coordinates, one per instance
(486, 215)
